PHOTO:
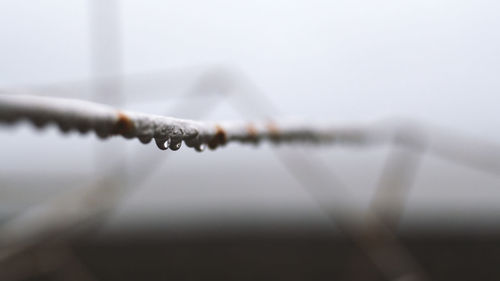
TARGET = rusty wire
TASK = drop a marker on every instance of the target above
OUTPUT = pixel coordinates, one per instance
(168, 132)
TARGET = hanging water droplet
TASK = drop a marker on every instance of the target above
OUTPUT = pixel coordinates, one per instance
(40, 122)
(145, 139)
(175, 146)
(201, 147)
(162, 144)
(64, 126)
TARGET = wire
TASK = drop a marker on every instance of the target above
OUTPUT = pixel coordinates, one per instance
(168, 132)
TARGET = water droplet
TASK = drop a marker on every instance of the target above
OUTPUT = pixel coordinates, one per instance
(64, 126)
(145, 139)
(162, 144)
(201, 147)
(39, 122)
(175, 146)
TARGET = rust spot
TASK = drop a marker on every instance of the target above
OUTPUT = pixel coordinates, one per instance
(220, 138)
(123, 125)
(252, 132)
(274, 132)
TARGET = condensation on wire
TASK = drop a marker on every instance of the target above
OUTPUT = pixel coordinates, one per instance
(168, 132)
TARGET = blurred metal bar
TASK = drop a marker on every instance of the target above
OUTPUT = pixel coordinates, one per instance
(390, 196)
(106, 60)
(397, 178)
(105, 40)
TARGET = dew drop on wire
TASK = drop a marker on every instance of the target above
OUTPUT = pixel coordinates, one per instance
(145, 139)
(175, 146)
(162, 144)
(200, 147)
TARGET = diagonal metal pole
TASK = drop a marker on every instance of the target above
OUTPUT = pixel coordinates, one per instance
(397, 177)
(388, 254)
(392, 190)
(380, 243)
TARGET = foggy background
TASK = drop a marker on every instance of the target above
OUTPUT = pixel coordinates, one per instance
(339, 61)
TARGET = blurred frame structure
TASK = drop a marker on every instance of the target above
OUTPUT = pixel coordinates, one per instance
(373, 231)
(57, 217)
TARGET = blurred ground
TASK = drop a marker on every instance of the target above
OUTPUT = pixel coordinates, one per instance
(246, 254)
